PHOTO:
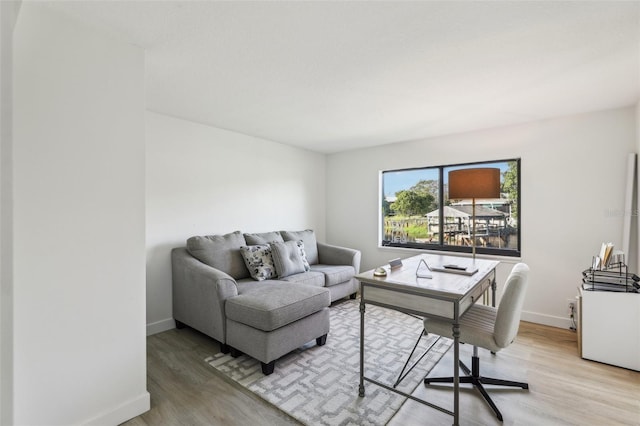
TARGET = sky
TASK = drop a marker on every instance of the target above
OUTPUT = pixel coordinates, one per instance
(397, 180)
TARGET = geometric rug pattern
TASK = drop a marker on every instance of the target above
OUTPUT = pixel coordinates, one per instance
(318, 385)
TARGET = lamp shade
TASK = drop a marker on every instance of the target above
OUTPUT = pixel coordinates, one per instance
(474, 183)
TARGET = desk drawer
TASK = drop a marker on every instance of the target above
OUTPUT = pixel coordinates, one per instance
(417, 304)
(474, 296)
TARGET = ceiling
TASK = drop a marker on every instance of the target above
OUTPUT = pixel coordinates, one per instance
(330, 76)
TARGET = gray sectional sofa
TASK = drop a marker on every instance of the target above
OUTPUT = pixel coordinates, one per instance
(261, 294)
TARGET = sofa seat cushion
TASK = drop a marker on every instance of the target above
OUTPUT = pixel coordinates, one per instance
(334, 274)
(246, 285)
(309, 278)
(270, 307)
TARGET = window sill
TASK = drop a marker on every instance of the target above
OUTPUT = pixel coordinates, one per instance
(412, 251)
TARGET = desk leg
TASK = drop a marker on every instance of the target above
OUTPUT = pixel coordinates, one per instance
(493, 289)
(485, 295)
(456, 374)
(361, 387)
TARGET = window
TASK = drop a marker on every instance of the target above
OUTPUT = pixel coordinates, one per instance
(416, 211)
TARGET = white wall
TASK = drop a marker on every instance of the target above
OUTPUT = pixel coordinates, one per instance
(573, 177)
(638, 125)
(79, 291)
(635, 242)
(8, 16)
(202, 180)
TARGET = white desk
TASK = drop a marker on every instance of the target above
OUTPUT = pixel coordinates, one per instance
(445, 296)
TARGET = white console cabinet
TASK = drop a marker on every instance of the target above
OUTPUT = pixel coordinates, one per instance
(609, 327)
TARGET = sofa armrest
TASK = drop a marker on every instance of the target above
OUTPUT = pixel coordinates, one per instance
(334, 255)
(199, 294)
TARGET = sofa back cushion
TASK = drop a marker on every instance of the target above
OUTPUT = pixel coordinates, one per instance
(308, 237)
(263, 238)
(221, 252)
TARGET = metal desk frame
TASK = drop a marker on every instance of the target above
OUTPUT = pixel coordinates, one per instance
(389, 292)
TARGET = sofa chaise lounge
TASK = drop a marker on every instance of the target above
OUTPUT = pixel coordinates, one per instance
(261, 294)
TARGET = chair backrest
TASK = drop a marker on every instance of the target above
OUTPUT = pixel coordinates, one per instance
(510, 308)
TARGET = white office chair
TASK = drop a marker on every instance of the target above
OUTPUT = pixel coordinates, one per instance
(490, 328)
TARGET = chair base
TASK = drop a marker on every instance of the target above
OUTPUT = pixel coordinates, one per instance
(473, 377)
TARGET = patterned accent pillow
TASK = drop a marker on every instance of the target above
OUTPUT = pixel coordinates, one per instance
(259, 261)
(303, 254)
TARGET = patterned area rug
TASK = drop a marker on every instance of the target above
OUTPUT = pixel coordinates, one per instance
(319, 385)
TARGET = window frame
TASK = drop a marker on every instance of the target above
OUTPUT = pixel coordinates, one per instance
(441, 246)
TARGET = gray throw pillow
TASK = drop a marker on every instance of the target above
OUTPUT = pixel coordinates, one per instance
(221, 252)
(308, 237)
(263, 238)
(259, 261)
(287, 258)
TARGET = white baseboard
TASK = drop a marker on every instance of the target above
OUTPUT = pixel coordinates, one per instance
(543, 319)
(125, 411)
(552, 321)
(160, 326)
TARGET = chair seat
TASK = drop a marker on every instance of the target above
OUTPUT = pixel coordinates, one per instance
(476, 327)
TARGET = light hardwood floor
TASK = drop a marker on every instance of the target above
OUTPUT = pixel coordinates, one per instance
(564, 389)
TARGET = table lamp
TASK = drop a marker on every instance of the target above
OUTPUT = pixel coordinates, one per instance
(475, 183)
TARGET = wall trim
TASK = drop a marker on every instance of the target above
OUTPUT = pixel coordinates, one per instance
(123, 412)
(160, 326)
(543, 319)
